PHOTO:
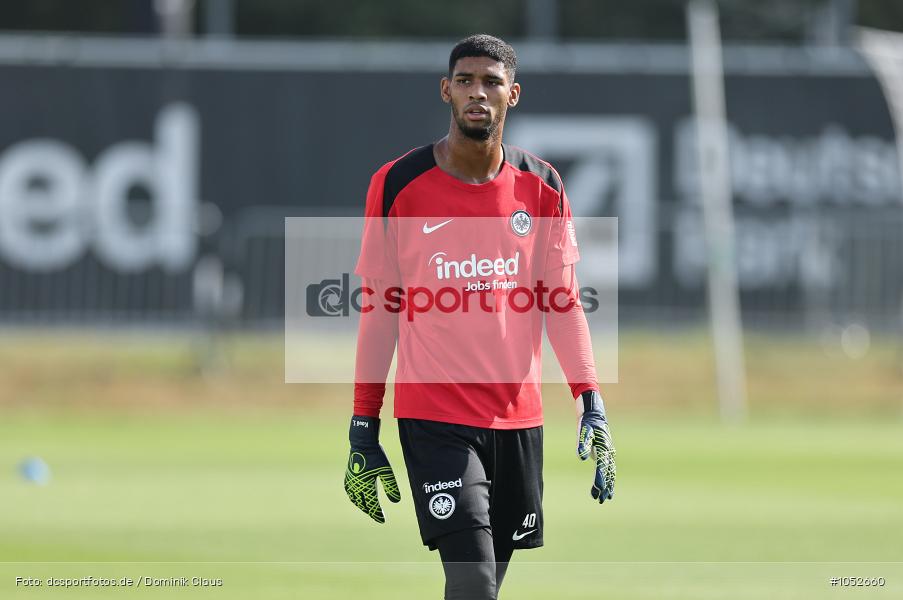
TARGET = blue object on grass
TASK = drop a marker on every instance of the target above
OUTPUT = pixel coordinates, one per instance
(35, 470)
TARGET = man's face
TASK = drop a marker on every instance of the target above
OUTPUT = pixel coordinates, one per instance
(480, 93)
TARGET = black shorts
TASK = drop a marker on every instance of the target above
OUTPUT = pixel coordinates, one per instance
(463, 477)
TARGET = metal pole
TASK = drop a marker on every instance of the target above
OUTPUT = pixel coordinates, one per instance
(219, 18)
(542, 19)
(715, 187)
(176, 18)
(883, 50)
(844, 17)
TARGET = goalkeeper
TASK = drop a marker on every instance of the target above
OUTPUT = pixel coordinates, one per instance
(467, 391)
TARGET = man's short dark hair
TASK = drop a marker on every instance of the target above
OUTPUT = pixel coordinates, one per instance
(489, 46)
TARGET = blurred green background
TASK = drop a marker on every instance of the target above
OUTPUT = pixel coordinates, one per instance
(161, 469)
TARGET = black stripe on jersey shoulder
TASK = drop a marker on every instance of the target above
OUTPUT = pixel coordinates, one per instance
(523, 160)
(405, 170)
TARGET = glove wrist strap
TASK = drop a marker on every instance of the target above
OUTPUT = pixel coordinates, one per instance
(592, 403)
(364, 431)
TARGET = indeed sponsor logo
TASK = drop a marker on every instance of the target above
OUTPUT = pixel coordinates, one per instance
(54, 205)
(473, 266)
(429, 488)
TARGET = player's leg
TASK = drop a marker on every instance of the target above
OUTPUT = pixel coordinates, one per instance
(469, 563)
(517, 487)
(503, 550)
(450, 491)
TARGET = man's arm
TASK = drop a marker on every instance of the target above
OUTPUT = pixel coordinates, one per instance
(367, 461)
(377, 335)
(568, 331)
(569, 335)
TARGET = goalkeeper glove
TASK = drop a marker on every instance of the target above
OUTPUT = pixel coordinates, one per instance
(593, 436)
(367, 462)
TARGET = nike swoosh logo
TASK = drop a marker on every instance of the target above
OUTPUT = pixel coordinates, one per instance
(428, 229)
(520, 536)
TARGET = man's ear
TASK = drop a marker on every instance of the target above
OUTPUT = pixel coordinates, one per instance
(443, 90)
(513, 95)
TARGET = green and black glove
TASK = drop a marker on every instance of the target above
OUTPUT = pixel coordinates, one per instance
(367, 462)
(594, 437)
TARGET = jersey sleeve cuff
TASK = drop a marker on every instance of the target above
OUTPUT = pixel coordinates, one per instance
(577, 390)
(366, 411)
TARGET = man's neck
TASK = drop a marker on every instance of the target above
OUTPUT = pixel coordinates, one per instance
(471, 161)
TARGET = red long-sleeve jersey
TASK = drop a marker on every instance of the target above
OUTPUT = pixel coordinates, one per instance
(461, 279)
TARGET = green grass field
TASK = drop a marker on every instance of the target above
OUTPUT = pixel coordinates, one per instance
(161, 472)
